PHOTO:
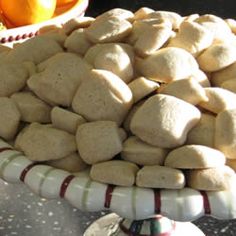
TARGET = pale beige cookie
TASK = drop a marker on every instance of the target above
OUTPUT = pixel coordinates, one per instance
(31, 67)
(136, 151)
(97, 48)
(167, 64)
(232, 24)
(212, 179)
(58, 82)
(201, 78)
(71, 163)
(13, 78)
(225, 133)
(128, 118)
(160, 177)
(229, 85)
(56, 35)
(98, 141)
(103, 96)
(44, 143)
(106, 30)
(36, 49)
(219, 99)
(204, 132)
(188, 90)
(9, 118)
(152, 39)
(195, 157)
(121, 173)
(77, 42)
(217, 57)
(76, 23)
(191, 17)
(217, 26)
(66, 120)
(173, 17)
(192, 37)
(120, 13)
(164, 121)
(142, 13)
(141, 87)
(231, 163)
(114, 58)
(31, 108)
(221, 76)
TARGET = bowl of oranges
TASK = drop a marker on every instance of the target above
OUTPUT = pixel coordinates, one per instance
(22, 19)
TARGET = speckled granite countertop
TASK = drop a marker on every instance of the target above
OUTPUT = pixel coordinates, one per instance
(25, 214)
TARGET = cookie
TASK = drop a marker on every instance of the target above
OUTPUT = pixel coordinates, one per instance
(116, 172)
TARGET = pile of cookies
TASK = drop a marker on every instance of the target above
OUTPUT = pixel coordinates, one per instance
(145, 98)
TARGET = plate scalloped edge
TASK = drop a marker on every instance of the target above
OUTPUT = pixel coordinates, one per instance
(21, 33)
(129, 202)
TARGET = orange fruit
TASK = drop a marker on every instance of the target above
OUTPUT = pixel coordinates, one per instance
(63, 2)
(26, 12)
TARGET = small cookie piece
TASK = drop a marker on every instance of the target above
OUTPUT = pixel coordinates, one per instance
(229, 85)
(192, 37)
(212, 179)
(217, 57)
(204, 132)
(219, 99)
(173, 17)
(31, 108)
(167, 64)
(220, 29)
(13, 78)
(113, 57)
(160, 177)
(72, 163)
(120, 13)
(76, 23)
(164, 121)
(195, 157)
(201, 78)
(116, 172)
(141, 87)
(44, 143)
(232, 24)
(66, 120)
(219, 77)
(231, 163)
(9, 118)
(188, 90)
(98, 141)
(152, 39)
(128, 118)
(36, 49)
(57, 83)
(103, 96)
(77, 42)
(136, 151)
(225, 133)
(142, 13)
(108, 29)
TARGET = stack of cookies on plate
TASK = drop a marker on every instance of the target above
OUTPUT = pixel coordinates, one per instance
(145, 98)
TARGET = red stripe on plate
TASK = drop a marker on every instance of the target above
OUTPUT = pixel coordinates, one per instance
(65, 185)
(108, 197)
(157, 200)
(206, 203)
(26, 170)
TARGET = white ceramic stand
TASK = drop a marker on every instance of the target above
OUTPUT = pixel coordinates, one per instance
(113, 225)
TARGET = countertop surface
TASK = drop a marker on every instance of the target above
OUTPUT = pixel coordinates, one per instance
(25, 214)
